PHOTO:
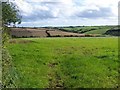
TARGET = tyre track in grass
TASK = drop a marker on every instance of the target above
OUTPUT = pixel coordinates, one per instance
(55, 80)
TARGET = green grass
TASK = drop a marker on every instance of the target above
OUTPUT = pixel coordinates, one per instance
(66, 62)
(101, 31)
(90, 29)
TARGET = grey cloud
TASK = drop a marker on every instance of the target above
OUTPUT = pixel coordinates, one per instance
(37, 15)
(101, 13)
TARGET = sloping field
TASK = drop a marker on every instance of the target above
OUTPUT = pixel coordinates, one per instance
(63, 33)
(65, 62)
(90, 29)
(43, 32)
(19, 32)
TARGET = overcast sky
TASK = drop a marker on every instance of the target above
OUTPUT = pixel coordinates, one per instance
(68, 12)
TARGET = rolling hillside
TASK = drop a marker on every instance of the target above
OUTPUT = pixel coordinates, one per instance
(91, 29)
(71, 31)
(42, 32)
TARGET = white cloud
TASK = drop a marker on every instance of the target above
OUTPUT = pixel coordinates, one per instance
(113, 4)
(25, 7)
(68, 9)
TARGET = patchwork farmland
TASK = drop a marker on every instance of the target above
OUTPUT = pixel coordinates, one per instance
(88, 31)
(41, 32)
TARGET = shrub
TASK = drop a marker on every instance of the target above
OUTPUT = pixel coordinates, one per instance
(93, 29)
(88, 35)
(8, 71)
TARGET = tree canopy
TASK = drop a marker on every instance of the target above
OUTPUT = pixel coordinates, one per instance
(10, 14)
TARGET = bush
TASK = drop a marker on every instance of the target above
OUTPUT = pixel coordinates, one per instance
(8, 71)
(24, 36)
(87, 35)
(93, 29)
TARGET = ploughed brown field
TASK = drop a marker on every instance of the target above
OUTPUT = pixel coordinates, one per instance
(42, 32)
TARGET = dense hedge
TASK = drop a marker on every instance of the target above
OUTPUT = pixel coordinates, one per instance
(10, 15)
(8, 72)
(9, 75)
(115, 32)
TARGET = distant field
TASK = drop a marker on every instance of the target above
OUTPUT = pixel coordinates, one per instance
(71, 31)
(90, 29)
(40, 32)
(65, 62)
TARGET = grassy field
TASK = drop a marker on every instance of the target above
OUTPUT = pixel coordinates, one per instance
(65, 62)
(90, 29)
